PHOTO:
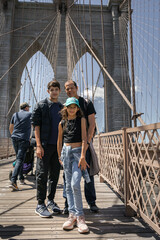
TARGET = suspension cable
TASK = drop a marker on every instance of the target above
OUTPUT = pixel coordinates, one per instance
(27, 49)
(21, 86)
(25, 26)
(74, 44)
(132, 63)
(31, 84)
(103, 68)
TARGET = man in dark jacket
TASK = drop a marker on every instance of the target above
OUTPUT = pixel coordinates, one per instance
(89, 112)
(45, 120)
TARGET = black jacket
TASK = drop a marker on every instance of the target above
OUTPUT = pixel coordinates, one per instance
(41, 117)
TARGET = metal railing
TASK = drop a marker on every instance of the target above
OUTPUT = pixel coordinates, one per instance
(130, 162)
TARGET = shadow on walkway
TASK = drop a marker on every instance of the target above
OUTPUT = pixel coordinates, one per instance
(113, 220)
(10, 231)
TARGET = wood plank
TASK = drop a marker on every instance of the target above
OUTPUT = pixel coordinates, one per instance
(19, 221)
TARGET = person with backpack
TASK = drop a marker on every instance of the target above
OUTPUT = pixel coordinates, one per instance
(45, 120)
(89, 112)
(20, 130)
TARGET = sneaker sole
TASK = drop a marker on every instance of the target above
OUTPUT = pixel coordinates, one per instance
(55, 211)
(94, 211)
(11, 186)
(83, 231)
(42, 215)
(59, 211)
(69, 228)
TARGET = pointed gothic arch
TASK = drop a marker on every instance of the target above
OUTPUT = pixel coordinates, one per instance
(83, 72)
(37, 73)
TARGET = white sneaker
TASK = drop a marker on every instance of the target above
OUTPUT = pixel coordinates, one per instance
(70, 223)
(82, 227)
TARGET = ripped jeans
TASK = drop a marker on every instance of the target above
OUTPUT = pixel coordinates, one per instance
(70, 157)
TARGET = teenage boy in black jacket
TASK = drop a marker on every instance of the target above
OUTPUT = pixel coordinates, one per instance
(45, 119)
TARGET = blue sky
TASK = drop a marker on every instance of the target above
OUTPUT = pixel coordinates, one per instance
(146, 43)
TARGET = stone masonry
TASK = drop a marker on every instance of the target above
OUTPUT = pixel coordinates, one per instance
(13, 45)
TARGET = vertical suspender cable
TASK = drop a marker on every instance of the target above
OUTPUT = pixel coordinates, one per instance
(106, 72)
(31, 83)
(76, 52)
(84, 25)
(123, 33)
(104, 63)
(90, 16)
(132, 62)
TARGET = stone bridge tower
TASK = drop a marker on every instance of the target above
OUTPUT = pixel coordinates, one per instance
(17, 43)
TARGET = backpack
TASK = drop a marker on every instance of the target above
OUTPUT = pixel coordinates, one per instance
(86, 100)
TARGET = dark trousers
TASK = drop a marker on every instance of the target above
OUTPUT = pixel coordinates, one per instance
(20, 147)
(47, 170)
(89, 188)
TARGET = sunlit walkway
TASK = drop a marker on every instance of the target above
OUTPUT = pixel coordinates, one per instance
(18, 220)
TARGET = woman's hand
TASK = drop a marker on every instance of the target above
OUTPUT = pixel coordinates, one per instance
(82, 163)
(40, 152)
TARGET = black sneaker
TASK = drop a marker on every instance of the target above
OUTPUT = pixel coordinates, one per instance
(65, 210)
(42, 211)
(14, 186)
(53, 207)
(93, 208)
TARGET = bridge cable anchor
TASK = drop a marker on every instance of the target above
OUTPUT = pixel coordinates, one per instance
(135, 116)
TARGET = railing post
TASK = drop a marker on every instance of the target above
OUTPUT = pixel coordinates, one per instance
(99, 147)
(101, 179)
(128, 210)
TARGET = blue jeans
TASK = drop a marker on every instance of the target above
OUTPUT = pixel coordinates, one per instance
(73, 174)
(89, 188)
(20, 147)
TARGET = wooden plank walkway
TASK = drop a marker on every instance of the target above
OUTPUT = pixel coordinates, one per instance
(19, 221)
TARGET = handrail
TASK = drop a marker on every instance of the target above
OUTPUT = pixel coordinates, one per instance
(129, 160)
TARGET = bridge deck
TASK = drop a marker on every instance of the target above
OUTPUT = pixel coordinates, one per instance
(18, 220)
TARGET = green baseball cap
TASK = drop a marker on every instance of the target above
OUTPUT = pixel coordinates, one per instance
(72, 100)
